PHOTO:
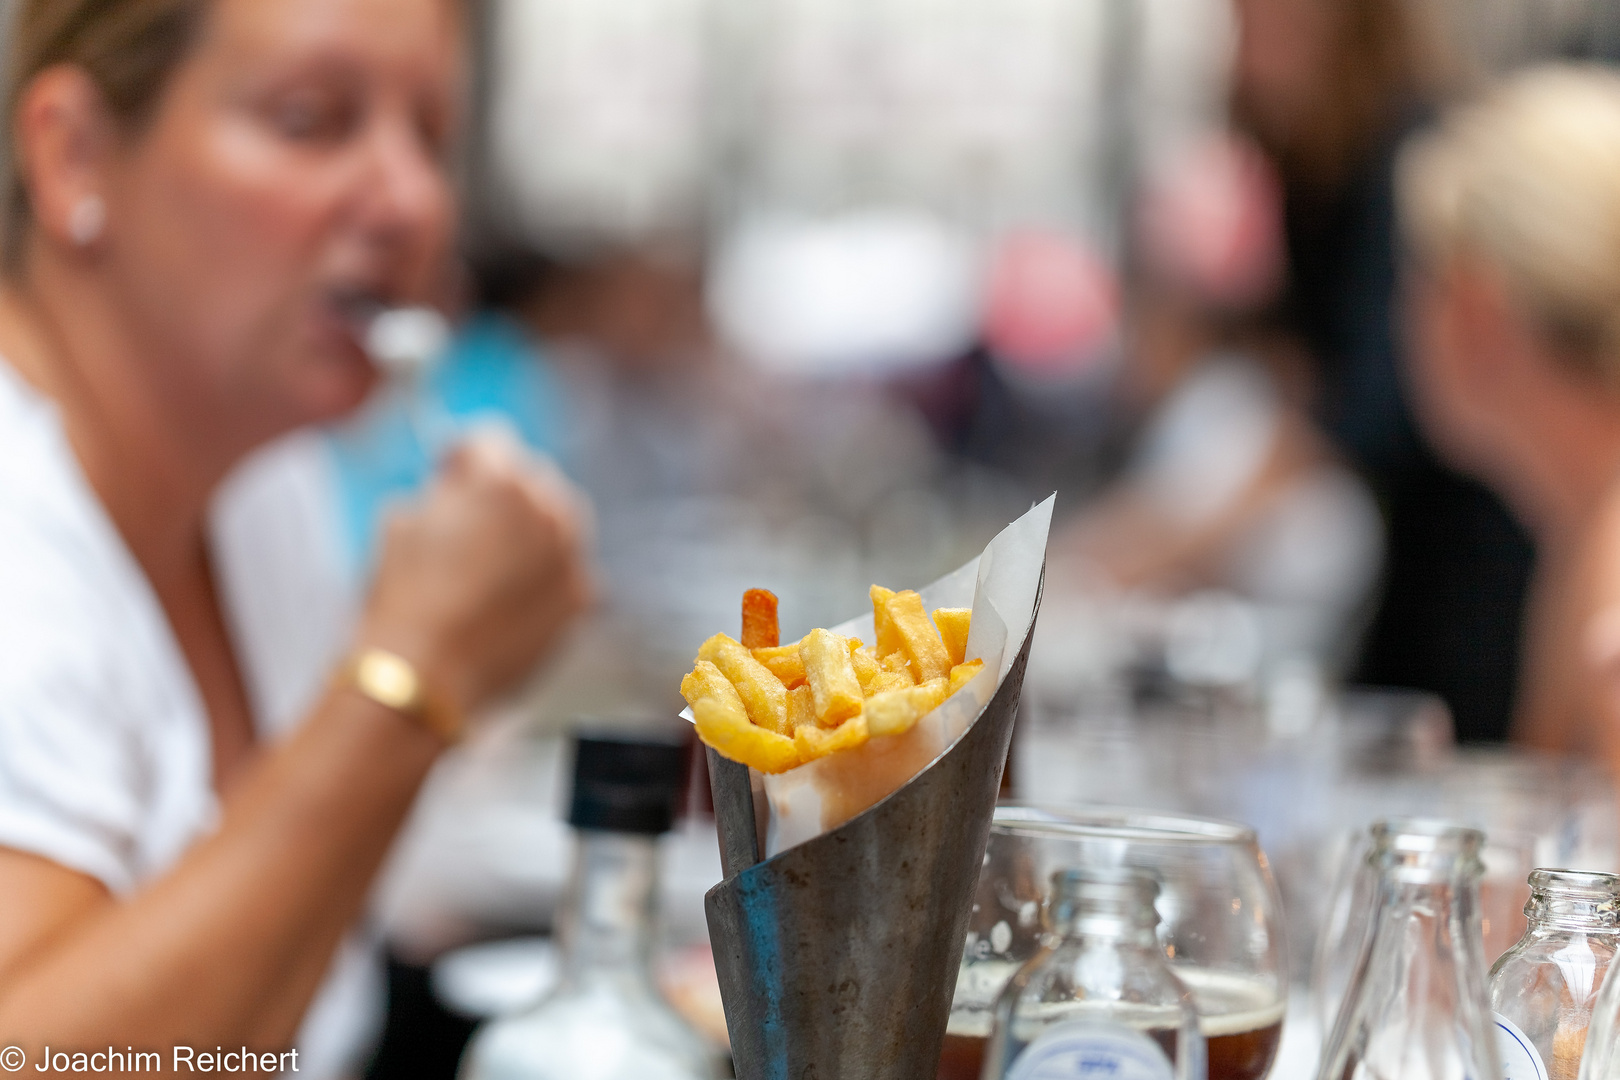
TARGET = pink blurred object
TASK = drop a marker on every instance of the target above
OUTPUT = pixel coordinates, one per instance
(1211, 223)
(689, 983)
(1051, 305)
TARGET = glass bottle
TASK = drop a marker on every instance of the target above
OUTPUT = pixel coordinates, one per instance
(1099, 998)
(1416, 1007)
(1543, 988)
(606, 1019)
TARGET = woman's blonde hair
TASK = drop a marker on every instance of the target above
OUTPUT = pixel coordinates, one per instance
(129, 48)
(1528, 180)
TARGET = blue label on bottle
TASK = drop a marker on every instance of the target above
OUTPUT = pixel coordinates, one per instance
(1091, 1050)
(1518, 1055)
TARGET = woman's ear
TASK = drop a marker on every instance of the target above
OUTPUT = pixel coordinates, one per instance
(1489, 327)
(62, 142)
(1467, 361)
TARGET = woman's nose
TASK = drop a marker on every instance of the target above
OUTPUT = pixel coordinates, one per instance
(404, 190)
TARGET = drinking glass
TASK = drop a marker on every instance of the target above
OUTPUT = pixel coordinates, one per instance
(1220, 922)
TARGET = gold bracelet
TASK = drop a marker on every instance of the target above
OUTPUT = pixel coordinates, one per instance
(394, 683)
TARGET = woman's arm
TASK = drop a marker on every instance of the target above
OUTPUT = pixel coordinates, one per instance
(228, 948)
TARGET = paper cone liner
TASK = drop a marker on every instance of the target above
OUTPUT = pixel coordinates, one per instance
(838, 957)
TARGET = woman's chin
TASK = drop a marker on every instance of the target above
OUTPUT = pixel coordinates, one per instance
(336, 391)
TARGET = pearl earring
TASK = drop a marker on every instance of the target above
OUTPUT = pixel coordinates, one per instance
(86, 220)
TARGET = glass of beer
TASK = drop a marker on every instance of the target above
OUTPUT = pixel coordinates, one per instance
(1220, 923)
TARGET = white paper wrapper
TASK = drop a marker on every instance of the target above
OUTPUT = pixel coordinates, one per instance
(1000, 585)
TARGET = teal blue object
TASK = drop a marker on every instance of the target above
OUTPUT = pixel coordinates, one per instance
(493, 372)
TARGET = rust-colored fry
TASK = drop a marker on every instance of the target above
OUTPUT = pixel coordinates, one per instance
(760, 628)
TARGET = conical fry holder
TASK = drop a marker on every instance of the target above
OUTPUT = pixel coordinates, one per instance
(837, 958)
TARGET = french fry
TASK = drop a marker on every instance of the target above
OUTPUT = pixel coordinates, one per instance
(896, 712)
(774, 706)
(762, 693)
(760, 629)
(894, 674)
(866, 669)
(887, 681)
(931, 695)
(783, 661)
(801, 707)
(889, 712)
(831, 675)
(953, 630)
(730, 733)
(813, 742)
(888, 638)
(722, 722)
(706, 680)
(919, 638)
(963, 673)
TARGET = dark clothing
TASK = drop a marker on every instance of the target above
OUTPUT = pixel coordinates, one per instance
(1457, 565)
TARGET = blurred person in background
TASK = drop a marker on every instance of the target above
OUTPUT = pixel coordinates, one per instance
(1230, 486)
(1330, 88)
(1513, 212)
(193, 802)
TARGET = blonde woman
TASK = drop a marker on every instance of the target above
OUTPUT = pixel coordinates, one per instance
(1512, 213)
(205, 194)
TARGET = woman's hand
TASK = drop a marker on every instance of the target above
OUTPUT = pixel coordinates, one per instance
(477, 581)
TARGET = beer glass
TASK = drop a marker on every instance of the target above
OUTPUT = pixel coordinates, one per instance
(1220, 922)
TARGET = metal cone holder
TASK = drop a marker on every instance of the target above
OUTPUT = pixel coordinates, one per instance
(838, 957)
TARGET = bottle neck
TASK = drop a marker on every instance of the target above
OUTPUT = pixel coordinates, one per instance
(1428, 934)
(1557, 909)
(606, 925)
(1420, 980)
(1093, 928)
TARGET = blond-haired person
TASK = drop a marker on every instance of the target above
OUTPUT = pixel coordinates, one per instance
(204, 194)
(1512, 214)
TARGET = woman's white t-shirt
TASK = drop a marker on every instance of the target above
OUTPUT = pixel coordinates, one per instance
(105, 755)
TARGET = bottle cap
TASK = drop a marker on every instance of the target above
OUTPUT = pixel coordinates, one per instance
(627, 782)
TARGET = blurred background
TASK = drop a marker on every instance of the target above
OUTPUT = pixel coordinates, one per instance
(811, 294)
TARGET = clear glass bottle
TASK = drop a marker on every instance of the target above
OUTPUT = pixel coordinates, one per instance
(1544, 987)
(606, 1019)
(1416, 1007)
(1099, 998)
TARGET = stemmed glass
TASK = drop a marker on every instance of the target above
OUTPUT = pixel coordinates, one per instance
(1220, 922)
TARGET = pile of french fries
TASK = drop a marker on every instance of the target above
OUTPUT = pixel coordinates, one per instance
(776, 707)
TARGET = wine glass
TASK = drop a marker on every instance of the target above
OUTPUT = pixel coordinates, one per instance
(1220, 922)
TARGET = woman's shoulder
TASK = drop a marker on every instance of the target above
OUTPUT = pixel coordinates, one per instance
(103, 758)
(76, 614)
